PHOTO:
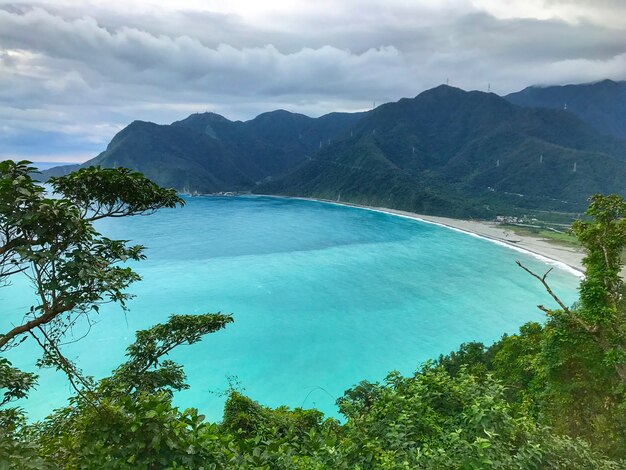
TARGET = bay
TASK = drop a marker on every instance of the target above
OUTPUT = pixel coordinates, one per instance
(323, 296)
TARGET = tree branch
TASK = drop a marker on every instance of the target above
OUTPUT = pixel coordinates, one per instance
(66, 366)
(56, 309)
(589, 329)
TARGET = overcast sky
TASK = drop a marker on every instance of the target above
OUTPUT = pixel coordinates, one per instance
(73, 73)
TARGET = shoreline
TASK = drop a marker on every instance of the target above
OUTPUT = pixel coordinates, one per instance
(565, 257)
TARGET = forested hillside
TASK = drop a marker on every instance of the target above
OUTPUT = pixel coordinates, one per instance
(446, 151)
(601, 104)
(458, 152)
(209, 153)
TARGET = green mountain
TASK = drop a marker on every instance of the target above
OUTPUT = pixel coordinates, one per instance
(209, 153)
(600, 104)
(463, 153)
(446, 151)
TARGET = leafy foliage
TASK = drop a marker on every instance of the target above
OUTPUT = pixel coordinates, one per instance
(551, 396)
(570, 372)
(127, 420)
(602, 310)
(73, 269)
(143, 373)
(430, 420)
(15, 383)
(104, 192)
(53, 242)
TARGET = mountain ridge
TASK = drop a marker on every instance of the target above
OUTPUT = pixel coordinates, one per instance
(446, 151)
(601, 104)
(207, 152)
(448, 142)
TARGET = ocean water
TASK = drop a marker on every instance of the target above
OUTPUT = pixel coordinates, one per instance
(323, 296)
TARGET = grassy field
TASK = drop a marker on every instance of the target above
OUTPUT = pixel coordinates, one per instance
(560, 237)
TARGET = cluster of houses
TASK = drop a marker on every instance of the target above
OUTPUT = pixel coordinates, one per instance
(509, 219)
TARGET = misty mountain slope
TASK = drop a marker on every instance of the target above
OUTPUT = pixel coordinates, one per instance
(601, 104)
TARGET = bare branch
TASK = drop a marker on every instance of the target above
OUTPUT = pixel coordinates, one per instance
(542, 279)
(589, 329)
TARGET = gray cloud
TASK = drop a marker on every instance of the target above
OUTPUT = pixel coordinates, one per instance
(73, 75)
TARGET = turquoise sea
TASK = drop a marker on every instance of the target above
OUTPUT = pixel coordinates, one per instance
(323, 296)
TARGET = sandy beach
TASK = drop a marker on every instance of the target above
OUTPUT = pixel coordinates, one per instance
(567, 256)
(571, 257)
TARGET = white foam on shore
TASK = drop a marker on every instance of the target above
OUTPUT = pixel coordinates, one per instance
(544, 259)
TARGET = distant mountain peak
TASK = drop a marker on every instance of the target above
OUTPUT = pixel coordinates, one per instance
(610, 83)
(203, 123)
(140, 123)
(280, 115)
(208, 117)
(601, 104)
(279, 112)
(443, 90)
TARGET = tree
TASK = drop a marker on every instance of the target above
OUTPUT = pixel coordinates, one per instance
(127, 420)
(74, 270)
(601, 312)
(583, 347)
(51, 240)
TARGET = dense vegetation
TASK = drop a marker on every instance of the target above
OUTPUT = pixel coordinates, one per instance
(208, 153)
(446, 152)
(600, 104)
(551, 396)
(460, 153)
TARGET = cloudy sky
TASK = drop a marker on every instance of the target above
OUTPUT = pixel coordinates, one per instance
(73, 73)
